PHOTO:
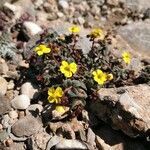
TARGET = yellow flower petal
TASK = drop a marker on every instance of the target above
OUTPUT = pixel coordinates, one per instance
(65, 63)
(73, 67)
(51, 99)
(60, 109)
(39, 53)
(37, 49)
(59, 92)
(46, 50)
(62, 69)
(99, 71)
(51, 91)
(68, 74)
(94, 73)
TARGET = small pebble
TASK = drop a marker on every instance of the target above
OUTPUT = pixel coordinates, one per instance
(21, 114)
(21, 102)
(63, 4)
(8, 142)
(10, 85)
(13, 114)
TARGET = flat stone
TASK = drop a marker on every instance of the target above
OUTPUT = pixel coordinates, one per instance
(70, 144)
(26, 126)
(139, 34)
(4, 105)
(129, 112)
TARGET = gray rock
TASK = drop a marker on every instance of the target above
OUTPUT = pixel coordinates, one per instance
(113, 2)
(66, 131)
(84, 44)
(137, 4)
(6, 121)
(4, 105)
(101, 144)
(38, 3)
(128, 112)
(140, 36)
(26, 126)
(82, 135)
(53, 141)
(17, 146)
(3, 135)
(91, 137)
(61, 143)
(135, 65)
(41, 139)
(10, 9)
(63, 4)
(26, 6)
(7, 47)
(29, 90)
(32, 28)
(2, 2)
(70, 144)
(3, 86)
(109, 139)
(20, 102)
(34, 109)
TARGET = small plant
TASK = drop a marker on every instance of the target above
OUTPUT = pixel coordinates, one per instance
(70, 77)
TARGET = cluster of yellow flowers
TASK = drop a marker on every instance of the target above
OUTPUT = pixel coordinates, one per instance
(69, 69)
(95, 33)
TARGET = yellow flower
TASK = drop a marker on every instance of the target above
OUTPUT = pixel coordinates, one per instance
(99, 76)
(97, 33)
(54, 95)
(42, 49)
(74, 29)
(126, 57)
(60, 109)
(68, 69)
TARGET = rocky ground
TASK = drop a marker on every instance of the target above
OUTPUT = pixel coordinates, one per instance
(119, 120)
